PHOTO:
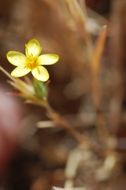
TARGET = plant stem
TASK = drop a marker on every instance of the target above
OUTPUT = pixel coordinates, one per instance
(62, 122)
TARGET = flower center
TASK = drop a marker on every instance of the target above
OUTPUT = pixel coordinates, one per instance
(32, 63)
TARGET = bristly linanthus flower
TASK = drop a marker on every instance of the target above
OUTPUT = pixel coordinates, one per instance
(32, 61)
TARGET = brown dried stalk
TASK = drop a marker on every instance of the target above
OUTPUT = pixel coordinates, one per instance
(118, 68)
(96, 83)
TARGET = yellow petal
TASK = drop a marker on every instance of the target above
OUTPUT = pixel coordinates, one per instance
(33, 48)
(47, 59)
(40, 73)
(20, 71)
(16, 58)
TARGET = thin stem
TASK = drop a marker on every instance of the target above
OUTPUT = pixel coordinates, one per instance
(62, 122)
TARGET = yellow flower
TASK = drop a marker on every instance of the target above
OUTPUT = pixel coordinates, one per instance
(32, 61)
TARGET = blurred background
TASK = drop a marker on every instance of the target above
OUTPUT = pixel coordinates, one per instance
(37, 158)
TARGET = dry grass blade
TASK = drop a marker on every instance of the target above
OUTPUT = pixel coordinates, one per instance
(97, 94)
(98, 51)
(80, 16)
(6, 73)
(45, 124)
(73, 188)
